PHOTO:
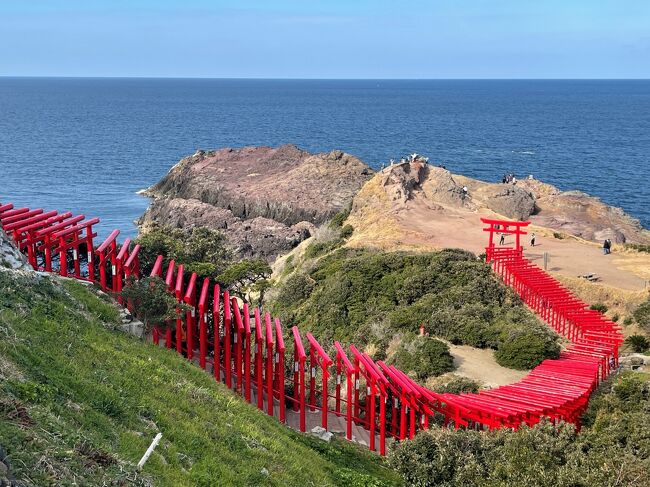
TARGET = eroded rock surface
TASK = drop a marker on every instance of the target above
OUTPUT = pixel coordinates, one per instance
(266, 200)
(569, 212)
(9, 255)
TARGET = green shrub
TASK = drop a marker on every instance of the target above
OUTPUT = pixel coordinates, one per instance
(339, 219)
(642, 316)
(525, 349)
(316, 249)
(638, 247)
(611, 449)
(616, 317)
(599, 307)
(457, 385)
(629, 320)
(201, 250)
(638, 343)
(347, 231)
(558, 235)
(423, 356)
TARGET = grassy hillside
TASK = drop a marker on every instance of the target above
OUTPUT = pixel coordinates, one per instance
(80, 403)
(367, 297)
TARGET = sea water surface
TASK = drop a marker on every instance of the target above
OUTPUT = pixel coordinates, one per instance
(89, 145)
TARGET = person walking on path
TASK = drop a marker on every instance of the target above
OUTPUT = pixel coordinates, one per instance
(502, 240)
(607, 246)
(532, 240)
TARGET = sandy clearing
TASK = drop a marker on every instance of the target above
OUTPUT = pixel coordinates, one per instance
(428, 226)
(480, 364)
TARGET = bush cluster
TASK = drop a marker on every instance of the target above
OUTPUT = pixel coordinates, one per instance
(365, 297)
(423, 356)
(611, 449)
(642, 316)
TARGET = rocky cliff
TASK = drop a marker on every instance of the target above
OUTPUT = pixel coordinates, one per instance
(9, 255)
(267, 200)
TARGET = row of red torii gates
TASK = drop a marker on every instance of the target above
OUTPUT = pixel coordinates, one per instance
(367, 400)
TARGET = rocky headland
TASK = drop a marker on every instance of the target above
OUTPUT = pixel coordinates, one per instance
(266, 200)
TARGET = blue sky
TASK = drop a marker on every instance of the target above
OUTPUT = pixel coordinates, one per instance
(326, 39)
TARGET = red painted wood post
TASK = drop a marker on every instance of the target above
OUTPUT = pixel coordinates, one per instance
(342, 360)
(349, 381)
(75, 255)
(357, 409)
(247, 353)
(312, 379)
(237, 337)
(119, 267)
(280, 353)
(156, 271)
(179, 321)
(393, 415)
(48, 260)
(403, 407)
(107, 248)
(63, 258)
(169, 280)
(299, 376)
(412, 421)
(382, 421)
(269, 364)
(325, 396)
(216, 325)
(227, 323)
(370, 414)
(113, 263)
(259, 341)
(190, 316)
(338, 383)
(325, 362)
(203, 325)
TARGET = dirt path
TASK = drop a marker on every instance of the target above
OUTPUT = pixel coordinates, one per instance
(479, 364)
(426, 226)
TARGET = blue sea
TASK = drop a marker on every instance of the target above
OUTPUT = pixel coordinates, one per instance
(89, 145)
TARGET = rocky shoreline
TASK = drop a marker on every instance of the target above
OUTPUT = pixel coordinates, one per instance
(268, 200)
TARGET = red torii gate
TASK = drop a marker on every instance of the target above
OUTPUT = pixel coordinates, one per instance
(502, 226)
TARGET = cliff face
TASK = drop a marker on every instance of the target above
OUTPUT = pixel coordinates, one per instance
(400, 190)
(9, 255)
(266, 200)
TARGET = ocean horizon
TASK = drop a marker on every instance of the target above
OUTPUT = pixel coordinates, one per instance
(89, 144)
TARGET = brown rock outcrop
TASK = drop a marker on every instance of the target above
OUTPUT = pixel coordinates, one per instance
(582, 215)
(265, 199)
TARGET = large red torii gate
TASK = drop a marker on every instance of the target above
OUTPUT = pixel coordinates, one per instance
(503, 226)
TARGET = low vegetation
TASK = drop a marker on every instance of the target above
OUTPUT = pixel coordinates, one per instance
(642, 316)
(612, 449)
(423, 357)
(80, 403)
(366, 297)
(205, 251)
(638, 343)
(638, 247)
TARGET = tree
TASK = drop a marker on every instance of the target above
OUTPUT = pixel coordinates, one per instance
(201, 250)
(153, 303)
(247, 276)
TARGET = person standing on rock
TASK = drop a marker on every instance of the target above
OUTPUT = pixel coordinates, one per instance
(532, 240)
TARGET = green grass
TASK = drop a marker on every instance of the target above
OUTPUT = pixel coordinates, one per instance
(81, 402)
